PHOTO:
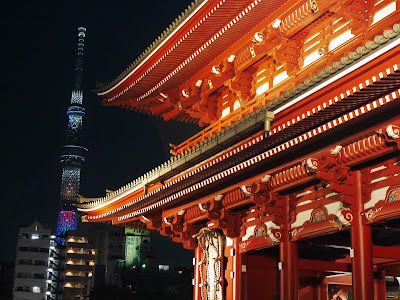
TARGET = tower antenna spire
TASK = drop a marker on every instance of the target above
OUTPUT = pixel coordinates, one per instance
(79, 57)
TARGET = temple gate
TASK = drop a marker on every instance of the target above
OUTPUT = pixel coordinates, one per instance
(293, 186)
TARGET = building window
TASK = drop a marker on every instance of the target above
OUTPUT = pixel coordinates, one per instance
(35, 236)
(24, 235)
(40, 262)
(25, 262)
(36, 289)
(163, 267)
(38, 276)
(23, 249)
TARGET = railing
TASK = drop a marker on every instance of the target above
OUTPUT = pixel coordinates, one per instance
(221, 124)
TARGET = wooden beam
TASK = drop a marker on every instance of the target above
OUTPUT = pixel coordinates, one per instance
(326, 266)
(344, 279)
(171, 114)
(161, 108)
(386, 252)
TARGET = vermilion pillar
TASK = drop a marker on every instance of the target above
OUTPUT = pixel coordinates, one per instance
(197, 279)
(320, 289)
(289, 281)
(324, 289)
(380, 285)
(237, 269)
(243, 286)
(361, 242)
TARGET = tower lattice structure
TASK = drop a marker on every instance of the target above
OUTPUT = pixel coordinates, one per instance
(72, 154)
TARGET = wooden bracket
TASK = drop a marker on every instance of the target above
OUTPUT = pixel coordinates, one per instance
(358, 12)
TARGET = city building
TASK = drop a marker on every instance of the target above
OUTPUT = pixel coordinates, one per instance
(31, 262)
(79, 259)
(127, 262)
(292, 190)
(110, 245)
(137, 248)
(118, 250)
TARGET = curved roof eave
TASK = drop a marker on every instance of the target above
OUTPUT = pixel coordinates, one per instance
(167, 34)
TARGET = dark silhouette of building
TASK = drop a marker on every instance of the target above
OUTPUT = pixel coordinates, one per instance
(6, 280)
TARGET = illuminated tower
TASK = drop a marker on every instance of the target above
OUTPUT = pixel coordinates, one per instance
(72, 154)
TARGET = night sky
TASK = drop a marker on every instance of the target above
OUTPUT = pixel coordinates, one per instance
(39, 43)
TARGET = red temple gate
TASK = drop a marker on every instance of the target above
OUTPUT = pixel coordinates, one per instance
(294, 185)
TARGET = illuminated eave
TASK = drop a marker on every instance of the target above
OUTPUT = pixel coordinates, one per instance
(148, 97)
(197, 19)
(152, 50)
(357, 65)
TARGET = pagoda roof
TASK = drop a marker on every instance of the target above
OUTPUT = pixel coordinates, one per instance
(182, 167)
(203, 32)
(346, 85)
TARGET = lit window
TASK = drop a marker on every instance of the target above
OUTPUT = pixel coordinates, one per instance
(35, 236)
(163, 267)
(341, 39)
(225, 112)
(262, 89)
(311, 58)
(36, 289)
(280, 77)
(384, 12)
(237, 104)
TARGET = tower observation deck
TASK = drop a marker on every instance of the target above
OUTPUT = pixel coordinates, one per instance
(72, 154)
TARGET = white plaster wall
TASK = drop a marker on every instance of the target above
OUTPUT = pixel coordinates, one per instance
(376, 195)
(249, 232)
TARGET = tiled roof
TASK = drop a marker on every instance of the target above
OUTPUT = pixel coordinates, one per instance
(181, 161)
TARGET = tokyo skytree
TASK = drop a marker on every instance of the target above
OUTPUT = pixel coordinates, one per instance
(72, 154)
